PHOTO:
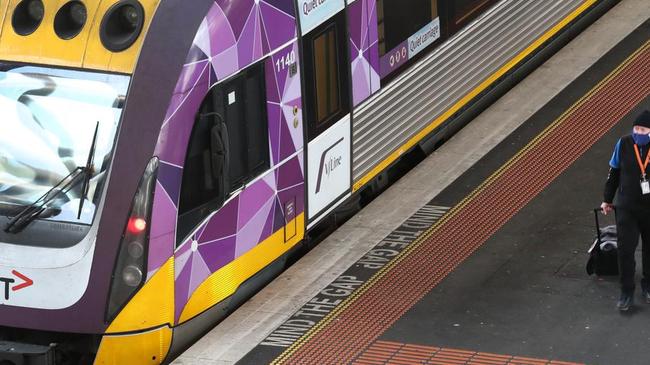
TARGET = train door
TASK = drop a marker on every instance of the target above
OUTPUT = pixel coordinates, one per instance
(224, 200)
(227, 149)
(327, 105)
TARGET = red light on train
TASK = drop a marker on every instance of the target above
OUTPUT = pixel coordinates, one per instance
(136, 225)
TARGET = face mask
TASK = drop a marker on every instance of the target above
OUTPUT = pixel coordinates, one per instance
(641, 139)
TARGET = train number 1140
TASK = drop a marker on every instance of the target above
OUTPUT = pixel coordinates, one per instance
(285, 61)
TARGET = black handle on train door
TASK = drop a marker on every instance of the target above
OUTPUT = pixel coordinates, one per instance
(220, 154)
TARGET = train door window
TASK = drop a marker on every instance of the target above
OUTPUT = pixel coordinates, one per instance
(234, 115)
(461, 12)
(326, 75)
(257, 141)
(243, 103)
(327, 84)
(204, 184)
(228, 146)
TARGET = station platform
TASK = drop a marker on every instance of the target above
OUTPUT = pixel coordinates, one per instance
(476, 256)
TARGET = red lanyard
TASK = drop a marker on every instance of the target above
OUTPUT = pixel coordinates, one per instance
(638, 159)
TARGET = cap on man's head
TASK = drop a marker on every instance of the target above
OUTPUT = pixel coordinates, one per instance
(643, 119)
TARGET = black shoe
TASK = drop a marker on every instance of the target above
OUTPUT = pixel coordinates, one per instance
(646, 295)
(624, 302)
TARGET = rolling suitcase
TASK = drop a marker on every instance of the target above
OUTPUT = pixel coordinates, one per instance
(603, 253)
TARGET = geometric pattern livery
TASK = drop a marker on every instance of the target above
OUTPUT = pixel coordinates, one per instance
(364, 49)
(233, 36)
(237, 227)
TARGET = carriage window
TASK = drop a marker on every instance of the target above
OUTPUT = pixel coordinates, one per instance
(464, 11)
(398, 20)
(228, 147)
(328, 96)
(405, 28)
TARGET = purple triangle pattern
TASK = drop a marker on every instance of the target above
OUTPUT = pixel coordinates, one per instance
(364, 49)
(285, 87)
(162, 230)
(233, 35)
(169, 176)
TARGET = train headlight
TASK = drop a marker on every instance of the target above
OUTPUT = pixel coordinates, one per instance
(132, 276)
(35, 9)
(122, 25)
(27, 16)
(136, 249)
(136, 225)
(131, 265)
(70, 19)
(130, 16)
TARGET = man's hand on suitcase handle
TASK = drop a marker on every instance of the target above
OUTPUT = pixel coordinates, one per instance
(606, 207)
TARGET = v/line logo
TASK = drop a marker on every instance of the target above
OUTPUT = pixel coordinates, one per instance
(327, 166)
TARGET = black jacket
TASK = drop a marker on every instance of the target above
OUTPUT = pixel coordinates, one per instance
(627, 178)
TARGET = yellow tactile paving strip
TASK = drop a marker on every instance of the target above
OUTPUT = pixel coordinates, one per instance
(395, 353)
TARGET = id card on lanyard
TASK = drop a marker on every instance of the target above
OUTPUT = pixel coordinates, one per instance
(645, 184)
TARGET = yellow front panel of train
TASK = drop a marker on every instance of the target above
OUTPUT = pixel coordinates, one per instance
(83, 50)
(43, 46)
(135, 349)
(3, 13)
(98, 57)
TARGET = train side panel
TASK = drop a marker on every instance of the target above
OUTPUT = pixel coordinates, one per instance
(263, 216)
(423, 97)
(364, 49)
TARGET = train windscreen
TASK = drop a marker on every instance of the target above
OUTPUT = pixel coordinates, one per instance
(49, 121)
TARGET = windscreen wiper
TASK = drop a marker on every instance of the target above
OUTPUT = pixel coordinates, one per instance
(88, 172)
(34, 210)
(27, 215)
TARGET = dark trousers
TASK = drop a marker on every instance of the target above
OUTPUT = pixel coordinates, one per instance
(630, 224)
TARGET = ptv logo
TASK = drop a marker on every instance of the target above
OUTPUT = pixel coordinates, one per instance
(24, 283)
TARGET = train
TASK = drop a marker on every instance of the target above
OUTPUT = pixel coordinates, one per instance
(161, 160)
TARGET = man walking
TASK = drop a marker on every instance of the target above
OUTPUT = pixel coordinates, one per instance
(629, 175)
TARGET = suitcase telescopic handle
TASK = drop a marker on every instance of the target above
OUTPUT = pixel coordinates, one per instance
(596, 211)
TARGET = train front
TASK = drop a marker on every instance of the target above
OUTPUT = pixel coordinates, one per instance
(77, 178)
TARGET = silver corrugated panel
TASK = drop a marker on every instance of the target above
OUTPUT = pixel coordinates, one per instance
(399, 111)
